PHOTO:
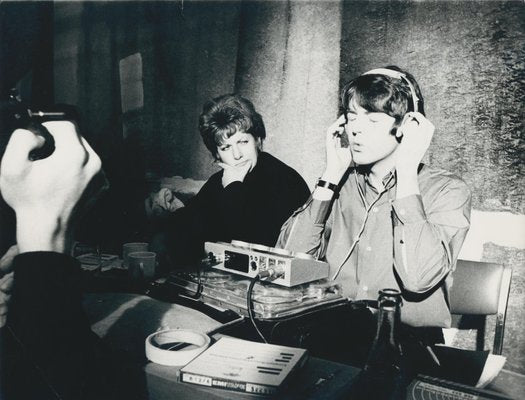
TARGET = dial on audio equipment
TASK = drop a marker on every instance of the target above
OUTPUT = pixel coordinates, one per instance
(285, 268)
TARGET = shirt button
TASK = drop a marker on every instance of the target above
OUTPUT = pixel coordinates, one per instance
(375, 209)
(368, 248)
(365, 288)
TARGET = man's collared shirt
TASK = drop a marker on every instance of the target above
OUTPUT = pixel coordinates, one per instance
(373, 240)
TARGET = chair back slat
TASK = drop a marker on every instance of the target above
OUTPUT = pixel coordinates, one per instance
(502, 310)
(475, 288)
(481, 289)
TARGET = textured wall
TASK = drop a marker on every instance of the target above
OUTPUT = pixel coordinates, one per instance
(469, 59)
(289, 65)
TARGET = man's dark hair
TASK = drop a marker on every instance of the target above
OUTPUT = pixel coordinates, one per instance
(226, 115)
(383, 93)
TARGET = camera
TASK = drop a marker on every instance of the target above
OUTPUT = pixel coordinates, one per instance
(15, 114)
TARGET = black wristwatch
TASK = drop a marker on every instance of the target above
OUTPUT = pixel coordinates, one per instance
(328, 185)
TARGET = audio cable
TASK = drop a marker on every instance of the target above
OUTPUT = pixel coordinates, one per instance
(261, 275)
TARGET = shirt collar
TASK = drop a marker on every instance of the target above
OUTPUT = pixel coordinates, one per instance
(389, 180)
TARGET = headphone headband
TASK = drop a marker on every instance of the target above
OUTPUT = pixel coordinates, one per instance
(398, 75)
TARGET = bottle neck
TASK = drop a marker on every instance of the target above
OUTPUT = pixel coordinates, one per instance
(385, 356)
(387, 320)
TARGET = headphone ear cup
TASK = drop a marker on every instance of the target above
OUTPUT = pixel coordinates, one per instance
(397, 129)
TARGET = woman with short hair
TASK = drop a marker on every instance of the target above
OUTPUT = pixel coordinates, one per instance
(249, 199)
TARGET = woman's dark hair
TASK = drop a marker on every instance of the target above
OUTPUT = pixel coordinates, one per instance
(226, 115)
(383, 93)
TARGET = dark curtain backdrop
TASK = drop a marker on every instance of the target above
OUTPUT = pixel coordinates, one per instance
(185, 55)
(192, 51)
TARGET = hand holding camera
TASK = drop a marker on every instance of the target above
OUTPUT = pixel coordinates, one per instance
(417, 132)
(44, 192)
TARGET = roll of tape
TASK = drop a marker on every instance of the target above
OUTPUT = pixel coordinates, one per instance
(159, 355)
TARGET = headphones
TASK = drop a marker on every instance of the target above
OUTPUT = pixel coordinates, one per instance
(398, 75)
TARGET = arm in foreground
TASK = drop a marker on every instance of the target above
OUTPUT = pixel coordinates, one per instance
(46, 316)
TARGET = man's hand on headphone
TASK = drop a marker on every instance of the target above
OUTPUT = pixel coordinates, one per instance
(338, 155)
(416, 133)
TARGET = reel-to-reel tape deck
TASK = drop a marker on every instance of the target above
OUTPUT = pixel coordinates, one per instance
(298, 284)
(247, 259)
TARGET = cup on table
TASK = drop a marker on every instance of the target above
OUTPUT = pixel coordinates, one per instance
(142, 265)
(131, 248)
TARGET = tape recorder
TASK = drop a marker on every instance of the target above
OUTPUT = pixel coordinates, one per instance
(298, 282)
(284, 268)
(226, 291)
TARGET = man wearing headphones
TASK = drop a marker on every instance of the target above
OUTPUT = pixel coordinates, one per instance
(380, 217)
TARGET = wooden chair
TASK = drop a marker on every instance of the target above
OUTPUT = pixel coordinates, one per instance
(480, 289)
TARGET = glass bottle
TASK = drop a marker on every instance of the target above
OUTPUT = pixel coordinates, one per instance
(384, 375)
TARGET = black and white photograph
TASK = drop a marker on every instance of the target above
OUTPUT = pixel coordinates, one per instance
(262, 199)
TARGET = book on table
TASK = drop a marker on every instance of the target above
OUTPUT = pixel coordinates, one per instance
(244, 366)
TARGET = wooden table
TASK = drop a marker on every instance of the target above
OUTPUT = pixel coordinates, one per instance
(124, 320)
